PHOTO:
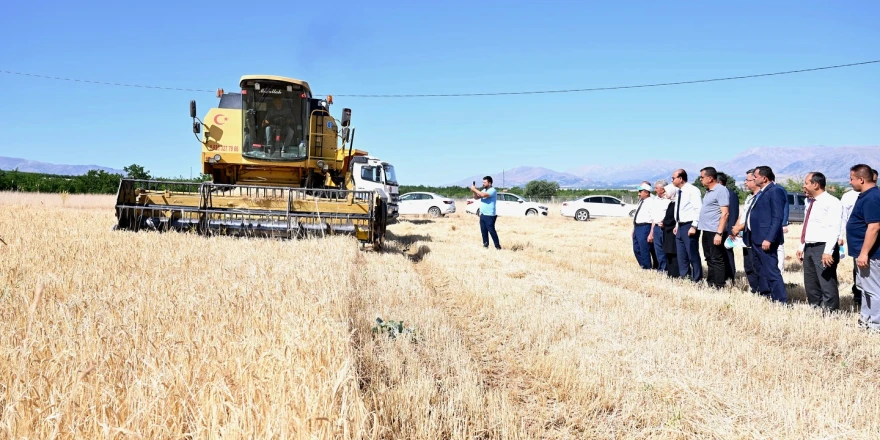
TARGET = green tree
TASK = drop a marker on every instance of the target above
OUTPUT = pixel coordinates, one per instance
(541, 188)
(794, 185)
(135, 171)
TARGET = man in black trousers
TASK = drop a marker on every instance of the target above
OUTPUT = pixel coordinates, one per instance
(713, 226)
(733, 210)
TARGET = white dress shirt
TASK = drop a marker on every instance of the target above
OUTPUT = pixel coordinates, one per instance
(823, 223)
(691, 203)
(847, 200)
(658, 209)
(643, 213)
(750, 198)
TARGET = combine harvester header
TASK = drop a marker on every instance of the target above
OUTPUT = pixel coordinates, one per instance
(281, 166)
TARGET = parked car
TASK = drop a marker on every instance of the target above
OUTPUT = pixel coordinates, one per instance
(797, 205)
(425, 203)
(509, 205)
(585, 208)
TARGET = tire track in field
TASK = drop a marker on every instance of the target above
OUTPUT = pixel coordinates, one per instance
(537, 409)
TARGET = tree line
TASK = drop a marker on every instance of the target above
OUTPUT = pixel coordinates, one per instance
(102, 182)
(93, 182)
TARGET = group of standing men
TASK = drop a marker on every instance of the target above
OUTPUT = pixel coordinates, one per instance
(669, 228)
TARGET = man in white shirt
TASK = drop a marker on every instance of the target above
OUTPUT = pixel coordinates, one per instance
(818, 250)
(687, 218)
(658, 213)
(642, 227)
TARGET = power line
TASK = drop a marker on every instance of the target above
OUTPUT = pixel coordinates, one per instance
(448, 95)
(595, 89)
(105, 83)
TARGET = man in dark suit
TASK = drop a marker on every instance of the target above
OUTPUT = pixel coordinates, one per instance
(764, 231)
(730, 263)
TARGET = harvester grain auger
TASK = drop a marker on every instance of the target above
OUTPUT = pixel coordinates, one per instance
(279, 168)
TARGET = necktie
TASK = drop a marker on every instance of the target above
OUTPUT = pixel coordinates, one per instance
(678, 207)
(806, 220)
(636, 215)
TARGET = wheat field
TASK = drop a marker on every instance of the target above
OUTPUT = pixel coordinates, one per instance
(111, 334)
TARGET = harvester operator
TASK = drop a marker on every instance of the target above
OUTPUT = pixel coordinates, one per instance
(279, 114)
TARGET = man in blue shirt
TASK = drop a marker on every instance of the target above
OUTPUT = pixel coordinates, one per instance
(487, 211)
(862, 232)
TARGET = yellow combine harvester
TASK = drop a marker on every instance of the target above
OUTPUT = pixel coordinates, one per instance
(281, 166)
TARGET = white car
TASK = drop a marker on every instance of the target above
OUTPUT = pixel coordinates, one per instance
(509, 205)
(421, 203)
(584, 208)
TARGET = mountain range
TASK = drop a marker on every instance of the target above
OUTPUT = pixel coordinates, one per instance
(786, 163)
(33, 166)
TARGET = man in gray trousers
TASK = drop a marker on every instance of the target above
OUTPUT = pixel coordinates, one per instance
(863, 229)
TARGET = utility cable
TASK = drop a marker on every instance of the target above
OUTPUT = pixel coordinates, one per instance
(447, 95)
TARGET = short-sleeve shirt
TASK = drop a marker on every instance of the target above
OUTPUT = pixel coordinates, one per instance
(865, 211)
(487, 205)
(710, 214)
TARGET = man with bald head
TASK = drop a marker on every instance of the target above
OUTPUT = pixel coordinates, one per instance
(818, 251)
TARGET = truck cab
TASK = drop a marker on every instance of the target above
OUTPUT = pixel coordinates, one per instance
(372, 173)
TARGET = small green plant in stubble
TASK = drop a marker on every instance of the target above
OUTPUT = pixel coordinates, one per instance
(394, 329)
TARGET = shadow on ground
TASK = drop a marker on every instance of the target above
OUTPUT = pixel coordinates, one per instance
(407, 239)
(416, 221)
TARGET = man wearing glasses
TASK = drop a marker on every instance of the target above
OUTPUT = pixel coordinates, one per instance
(751, 274)
(687, 218)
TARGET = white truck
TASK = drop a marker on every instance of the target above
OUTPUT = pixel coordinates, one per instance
(373, 173)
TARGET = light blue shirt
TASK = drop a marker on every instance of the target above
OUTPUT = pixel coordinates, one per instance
(487, 205)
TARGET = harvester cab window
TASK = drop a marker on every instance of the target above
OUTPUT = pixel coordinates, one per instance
(276, 122)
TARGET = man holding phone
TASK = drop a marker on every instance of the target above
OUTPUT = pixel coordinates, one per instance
(487, 210)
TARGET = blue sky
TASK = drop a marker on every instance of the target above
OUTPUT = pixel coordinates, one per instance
(453, 46)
